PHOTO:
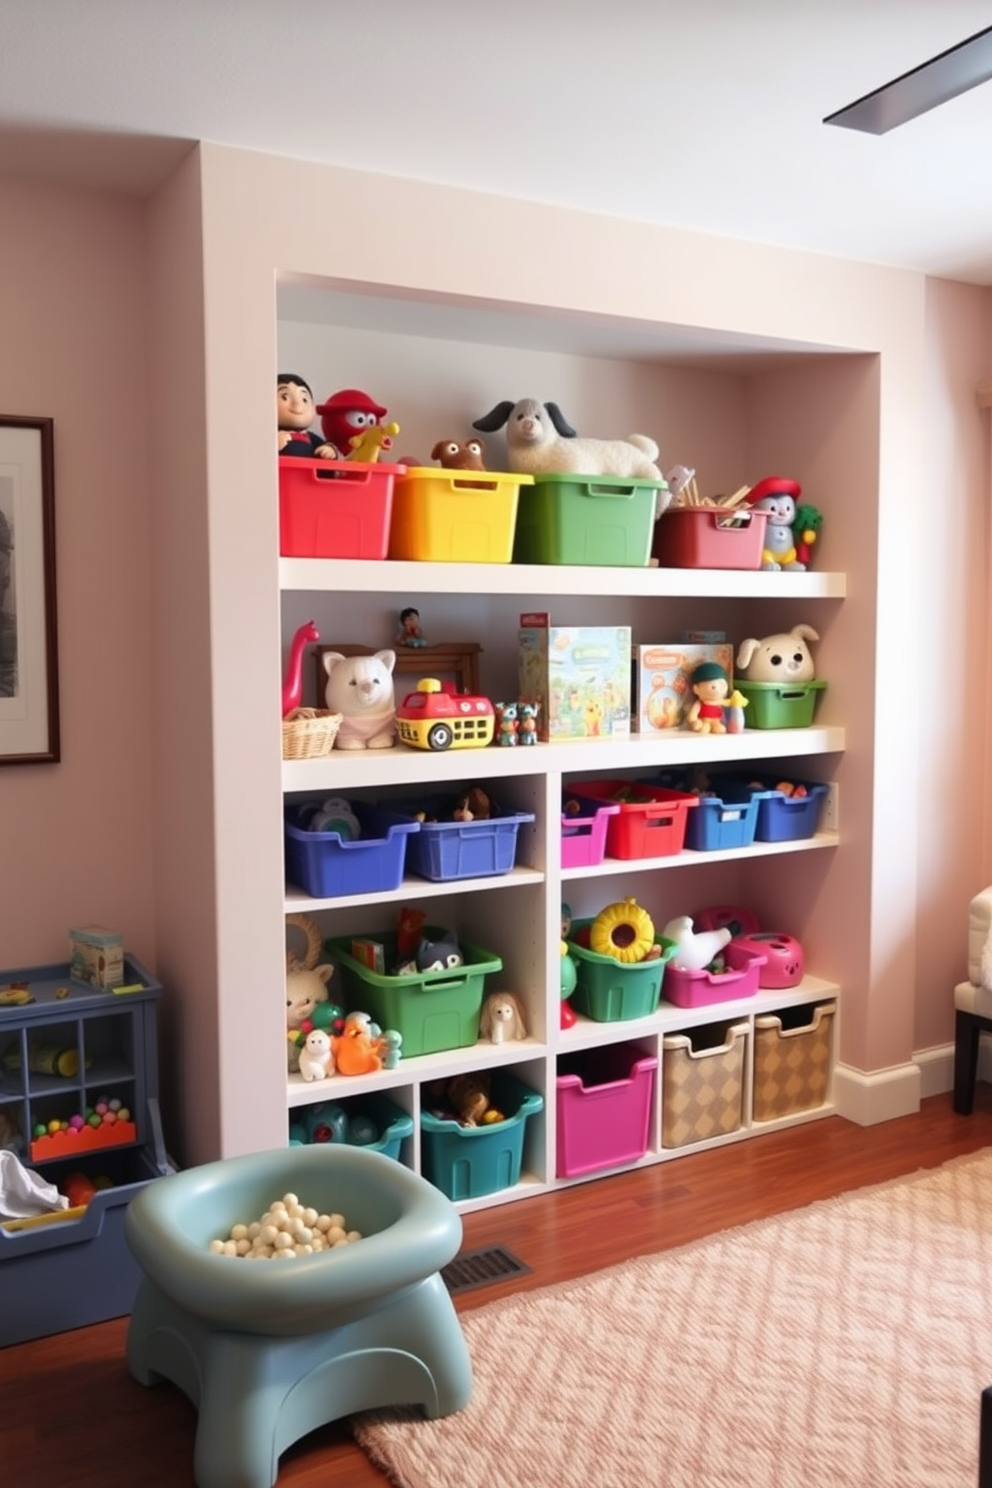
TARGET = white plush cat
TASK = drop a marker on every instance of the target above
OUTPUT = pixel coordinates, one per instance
(361, 689)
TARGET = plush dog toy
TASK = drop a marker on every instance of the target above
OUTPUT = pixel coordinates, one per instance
(451, 455)
(502, 1018)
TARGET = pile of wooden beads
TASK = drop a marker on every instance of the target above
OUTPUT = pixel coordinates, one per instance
(287, 1229)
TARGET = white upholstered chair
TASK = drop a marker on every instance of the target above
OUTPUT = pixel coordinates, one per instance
(973, 1002)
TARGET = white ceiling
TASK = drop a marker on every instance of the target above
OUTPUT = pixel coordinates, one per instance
(699, 113)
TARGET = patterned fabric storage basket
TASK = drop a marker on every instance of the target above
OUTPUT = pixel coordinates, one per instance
(792, 1060)
(702, 1085)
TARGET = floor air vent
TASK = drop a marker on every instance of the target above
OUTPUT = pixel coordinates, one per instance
(476, 1268)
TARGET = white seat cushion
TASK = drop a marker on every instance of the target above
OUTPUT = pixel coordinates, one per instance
(980, 940)
(969, 999)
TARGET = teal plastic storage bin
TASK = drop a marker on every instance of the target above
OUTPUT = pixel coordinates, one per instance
(310, 1125)
(431, 1010)
(594, 520)
(467, 1162)
(612, 991)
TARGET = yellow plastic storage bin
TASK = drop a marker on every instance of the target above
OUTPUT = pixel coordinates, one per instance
(455, 516)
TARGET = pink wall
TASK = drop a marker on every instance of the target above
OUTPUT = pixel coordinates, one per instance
(74, 840)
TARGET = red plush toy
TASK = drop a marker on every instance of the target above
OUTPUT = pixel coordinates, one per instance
(346, 414)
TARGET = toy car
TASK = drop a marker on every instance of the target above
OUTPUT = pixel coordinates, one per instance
(433, 718)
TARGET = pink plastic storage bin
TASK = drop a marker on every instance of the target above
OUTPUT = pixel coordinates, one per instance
(692, 989)
(707, 537)
(583, 831)
(604, 1108)
(334, 508)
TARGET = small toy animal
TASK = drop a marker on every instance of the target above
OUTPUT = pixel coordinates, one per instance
(451, 455)
(694, 950)
(316, 1059)
(368, 445)
(360, 688)
(528, 723)
(502, 1018)
(469, 1097)
(540, 440)
(784, 657)
(509, 724)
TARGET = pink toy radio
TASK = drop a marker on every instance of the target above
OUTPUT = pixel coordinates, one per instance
(784, 963)
(727, 917)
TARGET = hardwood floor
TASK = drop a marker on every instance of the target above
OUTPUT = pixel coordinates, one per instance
(72, 1415)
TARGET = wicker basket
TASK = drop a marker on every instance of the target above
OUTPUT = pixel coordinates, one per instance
(308, 733)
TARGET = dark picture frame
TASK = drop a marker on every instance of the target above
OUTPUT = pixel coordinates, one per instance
(29, 688)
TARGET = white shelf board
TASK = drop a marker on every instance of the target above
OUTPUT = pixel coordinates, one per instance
(353, 769)
(298, 902)
(684, 859)
(416, 1071)
(587, 1033)
(386, 576)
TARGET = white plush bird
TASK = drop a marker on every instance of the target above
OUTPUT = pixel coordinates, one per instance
(694, 951)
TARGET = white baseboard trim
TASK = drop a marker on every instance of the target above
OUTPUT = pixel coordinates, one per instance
(868, 1099)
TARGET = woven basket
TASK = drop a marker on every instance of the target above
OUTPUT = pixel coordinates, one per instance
(308, 733)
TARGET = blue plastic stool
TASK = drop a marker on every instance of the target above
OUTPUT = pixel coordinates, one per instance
(269, 1350)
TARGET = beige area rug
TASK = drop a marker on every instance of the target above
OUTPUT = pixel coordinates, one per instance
(844, 1345)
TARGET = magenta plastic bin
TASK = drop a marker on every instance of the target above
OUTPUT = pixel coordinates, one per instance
(693, 989)
(604, 1108)
(583, 833)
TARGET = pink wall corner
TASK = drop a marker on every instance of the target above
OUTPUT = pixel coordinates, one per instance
(950, 676)
(73, 348)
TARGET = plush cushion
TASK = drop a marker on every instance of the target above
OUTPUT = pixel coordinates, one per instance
(980, 940)
(970, 999)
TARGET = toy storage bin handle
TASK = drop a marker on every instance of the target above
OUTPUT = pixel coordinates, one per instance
(464, 482)
(736, 521)
(614, 493)
(341, 470)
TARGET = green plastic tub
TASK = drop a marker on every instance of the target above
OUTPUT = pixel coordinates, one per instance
(431, 1010)
(772, 705)
(592, 520)
(612, 991)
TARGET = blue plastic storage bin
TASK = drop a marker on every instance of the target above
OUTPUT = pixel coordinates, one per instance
(784, 818)
(392, 1123)
(326, 866)
(445, 850)
(728, 818)
(466, 1162)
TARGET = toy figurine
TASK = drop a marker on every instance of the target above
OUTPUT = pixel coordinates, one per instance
(451, 455)
(410, 633)
(736, 703)
(347, 413)
(540, 440)
(316, 1059)
(806, 526)
(292, 686)
(777, 497)
(368, 445)
(502, 1018)
(710, 684)
(694, 950)
(508, 724)
(528, 721)
(294, 415)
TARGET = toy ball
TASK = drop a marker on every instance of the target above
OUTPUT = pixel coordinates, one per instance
(785, 961)
(363, 1131)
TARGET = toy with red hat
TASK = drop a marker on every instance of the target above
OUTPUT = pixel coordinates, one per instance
(347, 414)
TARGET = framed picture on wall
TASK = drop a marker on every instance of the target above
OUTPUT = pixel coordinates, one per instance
(29, 691)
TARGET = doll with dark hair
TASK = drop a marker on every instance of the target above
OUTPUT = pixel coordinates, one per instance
(295, 413)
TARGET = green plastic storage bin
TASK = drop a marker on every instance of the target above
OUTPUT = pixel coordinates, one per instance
(594, 520)
(466, 1162)
(772, 705)
(612, 991)
(431, 1010)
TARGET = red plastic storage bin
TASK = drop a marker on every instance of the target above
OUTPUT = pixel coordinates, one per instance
(604, 1108)
(335, 508)
(709, 537)
(651, 821)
